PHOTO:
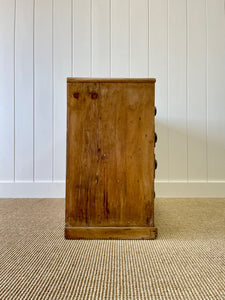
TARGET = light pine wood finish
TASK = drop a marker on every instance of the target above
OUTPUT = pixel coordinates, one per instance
(110, 158)
(128, 233)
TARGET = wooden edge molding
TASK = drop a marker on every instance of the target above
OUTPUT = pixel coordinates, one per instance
(111, 80)
(117, 233)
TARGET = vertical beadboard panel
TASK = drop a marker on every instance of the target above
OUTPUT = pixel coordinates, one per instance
(180, 42)
(43, 90)
(24, 91)
(120, 38)
(101, 38)
(7, 9)
(196, 79)
(216, 89)
(82, 37)
(158, 68)
(61, 70)
(177, 90)
(139, 38)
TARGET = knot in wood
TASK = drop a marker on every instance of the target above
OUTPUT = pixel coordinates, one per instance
(76, 95)
(94, 95)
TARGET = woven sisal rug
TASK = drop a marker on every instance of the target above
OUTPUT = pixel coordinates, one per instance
(187, 261)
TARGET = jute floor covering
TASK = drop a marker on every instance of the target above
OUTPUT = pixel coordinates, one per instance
(187, 261)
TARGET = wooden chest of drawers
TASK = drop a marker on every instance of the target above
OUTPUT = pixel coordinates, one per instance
(110, 166)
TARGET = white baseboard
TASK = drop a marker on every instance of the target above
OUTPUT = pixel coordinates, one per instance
(197, 189)
(173, 189)
(32, 189)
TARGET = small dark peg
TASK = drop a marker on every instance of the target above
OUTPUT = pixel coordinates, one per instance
(156, 164)
(76, 95)
(94, 95)
(156, 138)
(155, 110)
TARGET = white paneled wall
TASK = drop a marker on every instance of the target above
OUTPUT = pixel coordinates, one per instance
(179, 42)
(7, 90)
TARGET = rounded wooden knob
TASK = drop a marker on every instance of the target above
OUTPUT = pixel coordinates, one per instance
(156, 138)
(156, 164)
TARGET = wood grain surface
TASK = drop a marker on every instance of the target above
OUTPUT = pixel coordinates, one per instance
(110, 154)
(127, 233)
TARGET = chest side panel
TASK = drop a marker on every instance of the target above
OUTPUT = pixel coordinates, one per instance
(110, 154)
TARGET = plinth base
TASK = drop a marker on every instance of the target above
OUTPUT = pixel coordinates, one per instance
(118, 233)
